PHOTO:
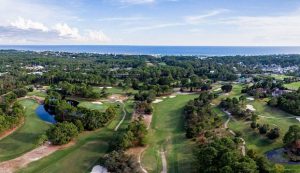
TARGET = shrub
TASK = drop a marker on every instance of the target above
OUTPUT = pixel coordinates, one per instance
(263, 129)
(62, 133)
(273, 133)
(253, 125)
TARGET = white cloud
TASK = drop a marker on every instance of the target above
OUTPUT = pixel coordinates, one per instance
(96, 36)
(27, 31)
(65, 30)
(89, 36)
(200, 18)
(28, 24)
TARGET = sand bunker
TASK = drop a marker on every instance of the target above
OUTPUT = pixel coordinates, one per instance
(164, 97)
(99, 169)
(298, 119)
(250, 98)
(105, 87)
(97, 103)
(218, 89)
(172, 97)
(250, 107)
(157, 101)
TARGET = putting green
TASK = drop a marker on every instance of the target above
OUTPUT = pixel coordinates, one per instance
(167, 133)
(23, 139)
(94, 106)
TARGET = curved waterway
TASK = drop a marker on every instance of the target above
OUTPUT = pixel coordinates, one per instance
(278, 156)
(44, 115)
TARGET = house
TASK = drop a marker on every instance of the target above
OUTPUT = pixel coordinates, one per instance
(278, 92)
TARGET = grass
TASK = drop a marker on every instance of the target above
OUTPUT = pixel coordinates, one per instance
(280, 76)
(23, 139)
(82, 156)
(293, 86)
(167, 133)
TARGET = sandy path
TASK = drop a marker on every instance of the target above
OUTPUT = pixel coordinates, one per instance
(164, 162)
(226, 123)
(243, 147)
(13, 165)
(123, 118)
(140, 162)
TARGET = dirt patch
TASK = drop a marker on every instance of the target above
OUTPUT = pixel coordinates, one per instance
(33, 155)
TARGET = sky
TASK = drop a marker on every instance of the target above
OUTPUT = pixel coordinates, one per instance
(150, 22)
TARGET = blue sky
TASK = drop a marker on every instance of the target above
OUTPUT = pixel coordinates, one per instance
(151, 22)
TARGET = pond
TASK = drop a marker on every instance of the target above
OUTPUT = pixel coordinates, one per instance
(44, 115)
(279, 156)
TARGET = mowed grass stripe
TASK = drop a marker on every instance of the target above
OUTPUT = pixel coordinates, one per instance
(167, 133)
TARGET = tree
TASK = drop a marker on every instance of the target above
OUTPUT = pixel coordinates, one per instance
(292, 135)
(226, 88)
(273, 133)
(62, 133)
(22, 92)
(119, 162)
(263, 129)
(242, 99)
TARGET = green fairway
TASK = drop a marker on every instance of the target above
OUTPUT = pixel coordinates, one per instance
(293, 86)
(23, 139)
(167, 133)
(83, 155)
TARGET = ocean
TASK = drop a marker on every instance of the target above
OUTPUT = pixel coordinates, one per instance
(160, 50)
